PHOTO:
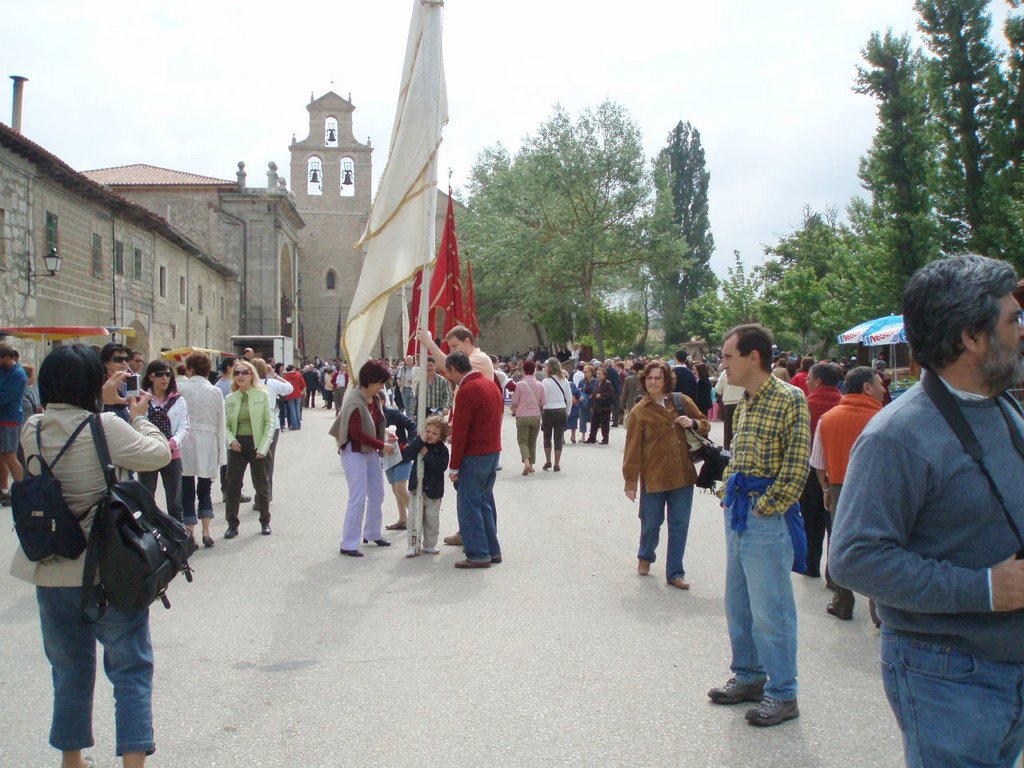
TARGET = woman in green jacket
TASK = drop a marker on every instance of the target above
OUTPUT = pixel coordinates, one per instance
(249, 428)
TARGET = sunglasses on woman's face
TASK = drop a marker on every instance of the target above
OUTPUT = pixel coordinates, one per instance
(161, 374)
(241, 373)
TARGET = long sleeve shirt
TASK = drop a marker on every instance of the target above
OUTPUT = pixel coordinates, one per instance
(528, 397)
(773, 439)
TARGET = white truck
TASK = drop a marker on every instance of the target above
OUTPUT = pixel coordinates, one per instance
(279, 348)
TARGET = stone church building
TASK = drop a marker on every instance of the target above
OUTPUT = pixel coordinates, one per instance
(185, 259)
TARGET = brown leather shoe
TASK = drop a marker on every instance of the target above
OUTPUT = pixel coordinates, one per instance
(643, 567)
(473, 564)
(455, 540)
(678, 583)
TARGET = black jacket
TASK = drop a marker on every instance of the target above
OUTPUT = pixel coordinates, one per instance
(404, 426)
(435, 462)
(686, 382)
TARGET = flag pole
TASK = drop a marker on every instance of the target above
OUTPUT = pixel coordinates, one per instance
(416, 534)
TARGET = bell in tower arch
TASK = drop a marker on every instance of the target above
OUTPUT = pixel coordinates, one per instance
(348, 172)
(314, 175)
(332, 134)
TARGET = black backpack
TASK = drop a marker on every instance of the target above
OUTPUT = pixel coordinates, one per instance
(137, 548)
(42, 520)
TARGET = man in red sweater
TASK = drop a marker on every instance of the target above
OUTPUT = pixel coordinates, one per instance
(836, 433)
(823, 388)
(294, 400)
(473, 466)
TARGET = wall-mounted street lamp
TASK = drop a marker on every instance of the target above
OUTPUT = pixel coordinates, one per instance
(52, 261)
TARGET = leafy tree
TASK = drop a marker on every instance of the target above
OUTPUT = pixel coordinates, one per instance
(898, 169)
(965, 83)
(682, 243)
(741, 296)
(559, 226)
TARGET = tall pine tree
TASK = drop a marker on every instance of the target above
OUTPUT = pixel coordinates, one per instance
(965, 84)
(898, 169)
(680, 267)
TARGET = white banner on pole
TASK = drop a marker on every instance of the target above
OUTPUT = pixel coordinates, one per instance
(397, 241)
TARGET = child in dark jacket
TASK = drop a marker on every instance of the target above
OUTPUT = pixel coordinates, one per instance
(431, 446)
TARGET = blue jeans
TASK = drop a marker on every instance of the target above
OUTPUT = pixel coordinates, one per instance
(759, 604)
(951, 707)
(585, 415)
(678, 502)
(294, 413)
(191, 488)
(70, 647)
(478, 517)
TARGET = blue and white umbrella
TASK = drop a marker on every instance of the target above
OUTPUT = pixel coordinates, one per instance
(876, 333)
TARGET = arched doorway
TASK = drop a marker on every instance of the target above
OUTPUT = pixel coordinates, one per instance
(140, 341)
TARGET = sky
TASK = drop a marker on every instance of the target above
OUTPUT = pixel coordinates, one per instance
(198, 86)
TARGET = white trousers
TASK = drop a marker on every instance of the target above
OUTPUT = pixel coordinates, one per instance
(364, 514)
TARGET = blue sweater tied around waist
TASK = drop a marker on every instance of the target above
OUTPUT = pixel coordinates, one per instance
(737, 500)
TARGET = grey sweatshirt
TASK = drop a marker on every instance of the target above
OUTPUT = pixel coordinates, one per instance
(918, 527)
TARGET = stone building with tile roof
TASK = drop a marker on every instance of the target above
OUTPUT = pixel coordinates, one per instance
(122, 265)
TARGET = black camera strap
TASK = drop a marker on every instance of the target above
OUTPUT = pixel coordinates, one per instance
(946, 404)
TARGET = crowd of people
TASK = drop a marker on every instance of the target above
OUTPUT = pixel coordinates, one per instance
(916, 503)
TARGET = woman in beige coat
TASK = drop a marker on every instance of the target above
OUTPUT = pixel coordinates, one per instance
(71, 380)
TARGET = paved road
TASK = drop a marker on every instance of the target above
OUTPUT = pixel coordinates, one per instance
(284, 654)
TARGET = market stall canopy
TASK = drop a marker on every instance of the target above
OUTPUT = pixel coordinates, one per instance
(178, 355)
(880, 332)
(61, 332)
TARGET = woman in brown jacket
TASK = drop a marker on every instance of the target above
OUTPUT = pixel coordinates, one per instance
(657, 455)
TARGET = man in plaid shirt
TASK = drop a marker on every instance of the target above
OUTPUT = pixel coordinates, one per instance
(763, 530)
(439, 391)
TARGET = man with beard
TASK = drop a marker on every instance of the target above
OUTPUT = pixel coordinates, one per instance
(934, 535)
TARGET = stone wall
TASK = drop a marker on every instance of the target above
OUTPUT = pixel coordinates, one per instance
(85, 292)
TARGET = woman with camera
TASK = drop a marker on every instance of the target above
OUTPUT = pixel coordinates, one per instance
(71, 388)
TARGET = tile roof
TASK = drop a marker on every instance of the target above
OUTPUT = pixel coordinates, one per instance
(52, 166)
(152, 176)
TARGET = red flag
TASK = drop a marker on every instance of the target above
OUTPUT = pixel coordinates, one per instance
(446, 282)
(470, 314)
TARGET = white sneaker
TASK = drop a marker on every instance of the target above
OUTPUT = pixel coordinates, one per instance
(431, 551)
(411, 552)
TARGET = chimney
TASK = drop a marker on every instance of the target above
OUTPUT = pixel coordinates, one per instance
(19, 89)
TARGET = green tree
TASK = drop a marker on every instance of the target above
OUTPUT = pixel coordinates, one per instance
(965, 83)
(560, 225)
(682, 243)
(898, 170)
(741, 300)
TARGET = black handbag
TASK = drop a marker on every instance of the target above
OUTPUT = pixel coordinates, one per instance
(137, 548)
(44, 524)
(713, 458)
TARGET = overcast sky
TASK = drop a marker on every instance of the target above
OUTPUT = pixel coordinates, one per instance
(199, 86)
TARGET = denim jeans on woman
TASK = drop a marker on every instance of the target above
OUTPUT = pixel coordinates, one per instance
(70, 647)
(677, 503)
(759, 604)
(951, 707)
(191, 489)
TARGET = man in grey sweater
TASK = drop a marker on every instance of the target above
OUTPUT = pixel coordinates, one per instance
(919, 529)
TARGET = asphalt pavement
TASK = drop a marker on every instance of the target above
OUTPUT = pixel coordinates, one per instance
(283, 653)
